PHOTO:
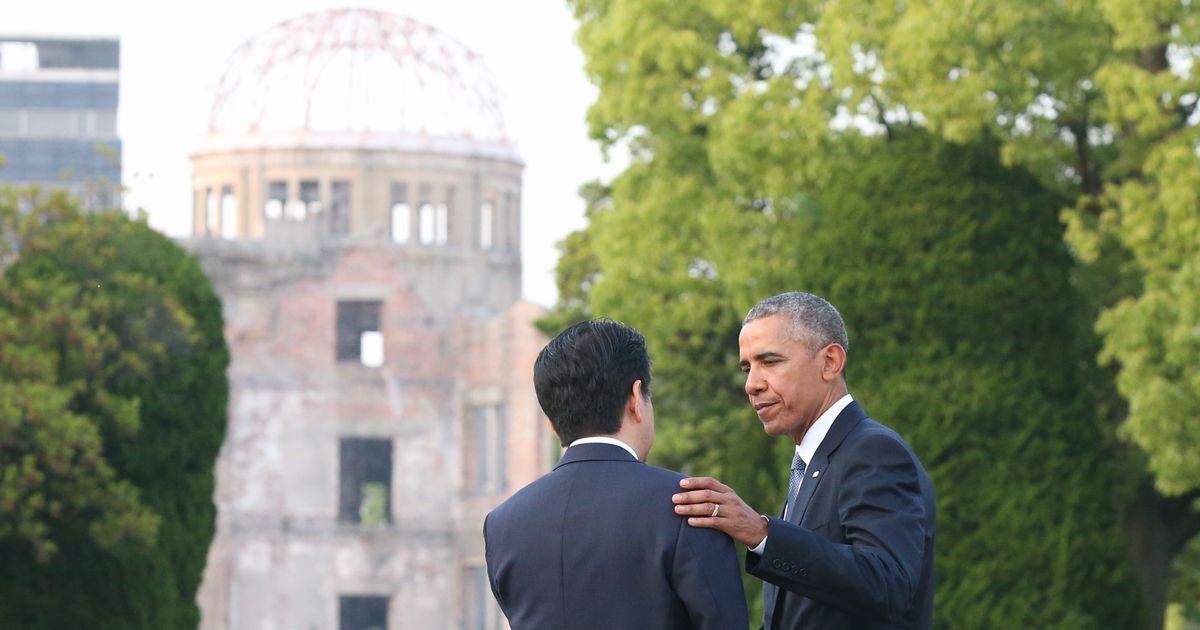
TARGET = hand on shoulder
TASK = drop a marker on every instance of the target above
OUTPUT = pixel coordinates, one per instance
(706, 502)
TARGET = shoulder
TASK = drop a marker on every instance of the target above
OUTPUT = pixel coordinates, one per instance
(650, 483)
(873, 451)
(872, 437)
(642, 476)
(532, 494)
(657, 475)
(628, 476)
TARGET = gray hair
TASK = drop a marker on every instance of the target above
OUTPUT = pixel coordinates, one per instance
(813, 320)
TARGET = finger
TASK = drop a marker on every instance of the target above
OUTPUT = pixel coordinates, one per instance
(697, 483)
(704, 521)
(696, 509)
(696, 496)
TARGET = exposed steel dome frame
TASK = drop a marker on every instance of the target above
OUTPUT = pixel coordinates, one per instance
(357, 77)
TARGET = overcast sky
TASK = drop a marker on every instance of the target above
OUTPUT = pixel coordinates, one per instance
(172, 54)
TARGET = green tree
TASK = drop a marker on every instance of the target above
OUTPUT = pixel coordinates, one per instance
(1097, 98)
(955, 283)
(113, 336)
(920, 245)
(1185, 583)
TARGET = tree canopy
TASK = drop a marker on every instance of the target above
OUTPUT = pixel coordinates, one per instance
(1096, 97)
(735, 109)
(112, 368)
(965, 334)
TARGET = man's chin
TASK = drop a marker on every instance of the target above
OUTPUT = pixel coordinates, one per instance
(771, 428)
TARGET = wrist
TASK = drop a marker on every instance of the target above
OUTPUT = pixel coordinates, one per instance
(760, 546)
(763, 530)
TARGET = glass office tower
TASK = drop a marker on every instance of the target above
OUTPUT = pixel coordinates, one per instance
(58, 115)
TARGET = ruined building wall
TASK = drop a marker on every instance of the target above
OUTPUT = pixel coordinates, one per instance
(441, 416)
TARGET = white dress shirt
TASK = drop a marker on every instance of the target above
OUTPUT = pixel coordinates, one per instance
(807, 448)
(603, 439)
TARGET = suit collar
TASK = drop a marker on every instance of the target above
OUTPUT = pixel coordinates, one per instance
(807, 448)
(842, 425)
(595, 452)
(604, 439)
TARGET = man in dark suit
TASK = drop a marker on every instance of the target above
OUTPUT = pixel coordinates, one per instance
(853, 546)
(594, 543)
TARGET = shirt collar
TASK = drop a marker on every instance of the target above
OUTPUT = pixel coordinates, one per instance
(807, 448)
(602, 439)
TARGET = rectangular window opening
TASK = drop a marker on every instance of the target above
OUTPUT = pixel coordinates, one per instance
(277, 193)
(426, 221)
(486, 460)
(365, 481)
(19, 57)
(212, 212)
(362, 612)
(229, 213)
(354, 319)
(401, 215)
(485, 225)
(310, 200)
(339, 208)
(443, 217)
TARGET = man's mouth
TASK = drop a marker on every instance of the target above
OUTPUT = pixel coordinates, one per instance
(760, 406)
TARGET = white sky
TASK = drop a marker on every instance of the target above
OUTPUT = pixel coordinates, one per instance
(172, 54)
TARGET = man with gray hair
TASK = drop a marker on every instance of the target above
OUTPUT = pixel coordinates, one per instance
(853, 545)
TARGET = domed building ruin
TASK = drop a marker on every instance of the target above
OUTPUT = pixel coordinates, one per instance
(357, 207)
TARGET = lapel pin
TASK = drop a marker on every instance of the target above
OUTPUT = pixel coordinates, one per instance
(816, 473)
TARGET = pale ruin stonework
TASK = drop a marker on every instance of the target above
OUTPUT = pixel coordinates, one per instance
(357, 210)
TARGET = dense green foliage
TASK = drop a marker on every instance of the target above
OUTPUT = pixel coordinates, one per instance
(1185, 583)
(738, 104)
(965, 335)
(115, 356)
(955, 284)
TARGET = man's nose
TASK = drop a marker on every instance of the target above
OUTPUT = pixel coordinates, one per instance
(754, 384)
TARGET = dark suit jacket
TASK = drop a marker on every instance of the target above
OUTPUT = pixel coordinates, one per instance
(857, 548)
(596, 544)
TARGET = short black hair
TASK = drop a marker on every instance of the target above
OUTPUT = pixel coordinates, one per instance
(584, 375)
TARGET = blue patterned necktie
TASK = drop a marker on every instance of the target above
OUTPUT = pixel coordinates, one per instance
(798, 467)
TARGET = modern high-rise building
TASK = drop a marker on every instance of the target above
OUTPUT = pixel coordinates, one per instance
(58, 115)
(357, 207)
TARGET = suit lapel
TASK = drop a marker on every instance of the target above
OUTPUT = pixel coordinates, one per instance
(842, 425)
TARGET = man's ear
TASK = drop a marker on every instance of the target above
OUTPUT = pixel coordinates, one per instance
(833, 361)
(634, 404)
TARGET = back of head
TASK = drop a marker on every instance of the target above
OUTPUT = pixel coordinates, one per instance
(584, 376)
(814, 321)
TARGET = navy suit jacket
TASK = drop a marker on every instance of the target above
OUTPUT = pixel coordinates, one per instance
(856, 551)
(596, 543)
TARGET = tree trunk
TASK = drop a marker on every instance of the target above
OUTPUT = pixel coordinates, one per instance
(1157, 528)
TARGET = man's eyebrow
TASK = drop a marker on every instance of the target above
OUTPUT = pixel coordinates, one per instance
(762, 356)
